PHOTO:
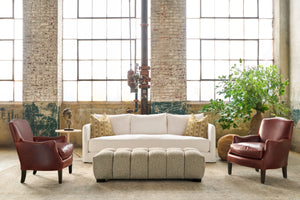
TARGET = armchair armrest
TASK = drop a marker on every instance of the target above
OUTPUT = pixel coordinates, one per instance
(276, 153)
(38, 155)
(248, 138)
(62, 138)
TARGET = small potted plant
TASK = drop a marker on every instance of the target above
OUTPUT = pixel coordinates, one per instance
(245, 91)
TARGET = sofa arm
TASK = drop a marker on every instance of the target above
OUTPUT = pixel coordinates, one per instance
(211, 133)
(86, 135)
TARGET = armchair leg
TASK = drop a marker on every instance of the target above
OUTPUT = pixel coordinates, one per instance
(284, 172)
(262, 176)
(229, 168)
(257, 170)
(59, 176)
(34, 172)
(23, 176)
(70, 169)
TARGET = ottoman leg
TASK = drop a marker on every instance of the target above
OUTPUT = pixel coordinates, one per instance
(101, 180)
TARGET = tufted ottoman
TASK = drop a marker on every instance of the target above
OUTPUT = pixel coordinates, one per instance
(148, 163)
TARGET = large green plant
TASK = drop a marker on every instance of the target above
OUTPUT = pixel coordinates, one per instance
(254, 88)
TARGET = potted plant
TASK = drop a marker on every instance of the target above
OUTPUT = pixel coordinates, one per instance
(245, 91)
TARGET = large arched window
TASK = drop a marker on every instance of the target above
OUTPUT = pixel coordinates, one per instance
(96, 48)
(11, 50)
(219, 33)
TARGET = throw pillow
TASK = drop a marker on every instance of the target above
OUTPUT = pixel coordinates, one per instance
(100, 126)
(197, 127)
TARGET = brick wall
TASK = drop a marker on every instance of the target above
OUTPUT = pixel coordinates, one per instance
(168, 51)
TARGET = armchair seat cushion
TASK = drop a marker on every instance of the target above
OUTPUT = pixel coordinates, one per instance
(248, 149)
(65, 150)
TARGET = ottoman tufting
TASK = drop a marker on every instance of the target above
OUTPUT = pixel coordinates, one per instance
(149, 163)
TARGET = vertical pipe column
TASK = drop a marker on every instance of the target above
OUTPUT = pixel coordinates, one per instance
(144, 65)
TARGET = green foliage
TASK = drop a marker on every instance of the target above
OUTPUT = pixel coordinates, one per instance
(254, 88)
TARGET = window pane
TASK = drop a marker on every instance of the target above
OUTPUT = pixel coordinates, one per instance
(221, 68)
(193, 89)
(99, 49)
(84, 28)
(266, 8)
(126, 50)
(6, 8)
(113, 28)
(265, 29)
(251, 50)
(193, 49)
(99, 8)
(207, 49)
(70, 49)
(251, 28)
(236, 8)
(114, 69)
(207, 90)
(70, 8)
(208, 69)
(222, 28)
(18, 72)
(126, 95)
(193, 70)
(236, 29)
(221, 8)
(70, 29)
(85, 50)
(70, 70)
(114, 8)
(18, 91)
(99, 90)
(113, 90)
(99, 28)
(6, 50)
(6, 70)
(250, 8)
(222, 49)
(18, 29)
(126, 68)
(8, 26)
(266, 49)
(84, 91)
(192, 28)
(99, 70)
(125, 8)
(18, 49)
(192, 9)
(6, 90)
(18, 8)
(114, 50)
(207, 8)
(236, 50)
(85, 70)
(207, 28)
(70, 90)
(85, 8)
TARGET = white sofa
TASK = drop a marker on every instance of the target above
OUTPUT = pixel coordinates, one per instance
(155, 130)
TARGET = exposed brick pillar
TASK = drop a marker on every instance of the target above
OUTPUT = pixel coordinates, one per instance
(42, 67)
(168, 56)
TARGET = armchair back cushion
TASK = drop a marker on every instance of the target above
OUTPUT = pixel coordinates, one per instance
(21, 131)
(275, 129)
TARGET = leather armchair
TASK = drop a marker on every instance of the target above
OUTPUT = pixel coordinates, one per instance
(40, 153)
(267, 150)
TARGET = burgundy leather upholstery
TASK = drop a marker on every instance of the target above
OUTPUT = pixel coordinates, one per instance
(40, 153)
(267, 150)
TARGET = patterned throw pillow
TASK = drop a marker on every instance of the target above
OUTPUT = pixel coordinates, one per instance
(100, 126)
(197, 127)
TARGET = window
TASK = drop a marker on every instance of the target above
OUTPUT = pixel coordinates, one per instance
(219, 33)
(11, 50)
(96, 49)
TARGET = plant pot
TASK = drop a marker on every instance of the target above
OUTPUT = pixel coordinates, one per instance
(255, 123)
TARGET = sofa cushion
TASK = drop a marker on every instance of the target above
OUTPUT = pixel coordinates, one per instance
(148, 141)
(120, 123)
(196, 127)
(177, 123)
(149, 124)
(248, 149)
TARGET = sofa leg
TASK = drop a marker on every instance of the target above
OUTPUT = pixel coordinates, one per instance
(284, 172)
(59, 176)
(262, 176)
(197, 180)
(34, 172)
(229, 168)
(70, 169)
(23, 176)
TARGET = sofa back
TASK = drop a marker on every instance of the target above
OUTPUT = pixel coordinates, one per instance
(163, 123)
